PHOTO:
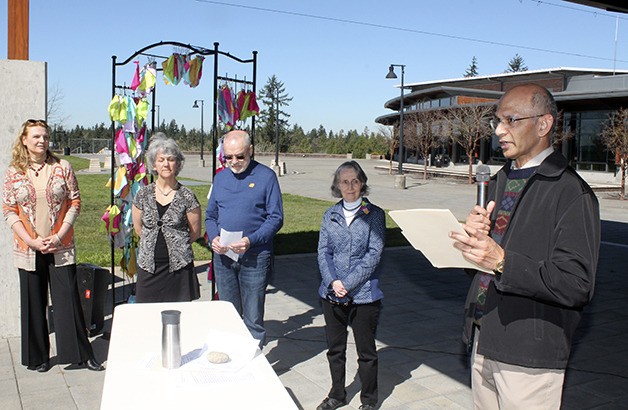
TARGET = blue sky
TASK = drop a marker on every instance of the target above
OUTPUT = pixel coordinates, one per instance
(331, 55)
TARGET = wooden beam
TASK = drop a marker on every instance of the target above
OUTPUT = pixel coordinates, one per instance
(18, 30)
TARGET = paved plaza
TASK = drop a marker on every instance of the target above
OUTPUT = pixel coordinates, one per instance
(423, 364)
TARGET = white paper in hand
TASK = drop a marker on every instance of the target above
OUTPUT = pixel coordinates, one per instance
(427, 230)
(227, 238)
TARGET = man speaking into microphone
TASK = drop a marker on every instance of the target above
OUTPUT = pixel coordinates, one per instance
(537, 241)
(482, 176)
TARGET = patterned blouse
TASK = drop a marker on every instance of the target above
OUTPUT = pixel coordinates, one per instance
(173, 224)
(64, 202)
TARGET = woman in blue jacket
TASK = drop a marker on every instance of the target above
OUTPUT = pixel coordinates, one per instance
(349, 251)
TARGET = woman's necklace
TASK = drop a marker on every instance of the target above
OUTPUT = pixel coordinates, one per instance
(162, 192)
(350, 209)
(36, 171)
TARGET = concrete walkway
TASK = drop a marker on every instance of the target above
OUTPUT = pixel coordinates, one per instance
(422, 361)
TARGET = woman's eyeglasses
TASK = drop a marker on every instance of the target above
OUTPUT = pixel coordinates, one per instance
(349, 184)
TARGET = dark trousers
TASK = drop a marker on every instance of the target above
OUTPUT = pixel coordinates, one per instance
(363, 320)
(70, 332)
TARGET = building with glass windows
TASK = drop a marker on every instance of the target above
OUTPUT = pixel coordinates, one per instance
(585, 97)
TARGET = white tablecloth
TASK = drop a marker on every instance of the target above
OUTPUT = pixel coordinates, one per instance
(135, 378)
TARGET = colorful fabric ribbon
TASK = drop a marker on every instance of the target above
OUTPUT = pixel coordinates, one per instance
(111, 220)
(141, 111)
(194, 70)
(118, 110)
(226, 109)
(179, 67)
(148, 77)
(171, 70)
(247, 104)
(136, 78)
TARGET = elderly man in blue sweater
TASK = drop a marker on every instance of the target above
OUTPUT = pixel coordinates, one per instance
(246, 198)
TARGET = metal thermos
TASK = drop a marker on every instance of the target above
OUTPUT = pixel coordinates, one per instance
(170, 339)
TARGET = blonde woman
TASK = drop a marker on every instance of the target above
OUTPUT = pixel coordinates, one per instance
(40, 202)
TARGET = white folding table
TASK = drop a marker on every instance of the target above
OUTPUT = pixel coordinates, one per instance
(136, 332)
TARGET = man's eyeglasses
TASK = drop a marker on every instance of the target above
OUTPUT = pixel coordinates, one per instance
(509, 121)
(239, 157)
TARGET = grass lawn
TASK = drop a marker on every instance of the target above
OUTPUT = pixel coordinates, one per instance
(302, 218)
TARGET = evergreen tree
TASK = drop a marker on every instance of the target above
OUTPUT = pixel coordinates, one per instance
(172, 129)
(472, 71)
(273, 96)
(516, 65)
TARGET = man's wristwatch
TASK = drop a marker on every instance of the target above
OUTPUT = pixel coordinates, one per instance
(499, 268)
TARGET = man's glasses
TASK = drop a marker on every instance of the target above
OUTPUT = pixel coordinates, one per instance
(239, 157)
(509, 121)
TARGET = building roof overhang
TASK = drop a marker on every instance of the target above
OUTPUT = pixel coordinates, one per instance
(439, 92)
(606, 99)
(523, 75)
(610, 5)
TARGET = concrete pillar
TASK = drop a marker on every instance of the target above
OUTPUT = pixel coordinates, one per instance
(23, 85)
(280, 168)
(94, 165)
(400, 181)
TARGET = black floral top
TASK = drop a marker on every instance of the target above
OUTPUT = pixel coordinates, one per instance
(173, 224)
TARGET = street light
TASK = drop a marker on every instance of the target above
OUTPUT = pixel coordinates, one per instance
(158, 123)
(277, 133)
(202, 161)
(391, 74)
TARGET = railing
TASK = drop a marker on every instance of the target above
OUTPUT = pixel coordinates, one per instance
(592, 166)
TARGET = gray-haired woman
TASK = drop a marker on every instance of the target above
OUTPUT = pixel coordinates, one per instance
(167, 218)
(350, 247)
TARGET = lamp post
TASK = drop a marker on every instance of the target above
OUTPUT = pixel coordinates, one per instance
(277, 133)
(391, 74)
(202, 161)
(158, 123)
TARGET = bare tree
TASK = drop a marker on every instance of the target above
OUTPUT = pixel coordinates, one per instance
(615, 137)
(562, 133)
(422, 133)
(54, 115)
(391, 135)
(467, 126)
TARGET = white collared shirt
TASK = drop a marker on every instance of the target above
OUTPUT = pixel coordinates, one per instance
(536, 161)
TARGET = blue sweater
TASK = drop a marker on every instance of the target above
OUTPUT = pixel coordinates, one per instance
(249, 202)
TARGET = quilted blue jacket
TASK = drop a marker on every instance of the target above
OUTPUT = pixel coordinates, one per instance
(352, 253)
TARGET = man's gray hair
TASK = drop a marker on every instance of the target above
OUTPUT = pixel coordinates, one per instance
(543, 100)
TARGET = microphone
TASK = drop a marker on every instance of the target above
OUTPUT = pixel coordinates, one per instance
(482, 176)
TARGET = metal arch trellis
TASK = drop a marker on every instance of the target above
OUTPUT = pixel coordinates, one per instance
(194, 50)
